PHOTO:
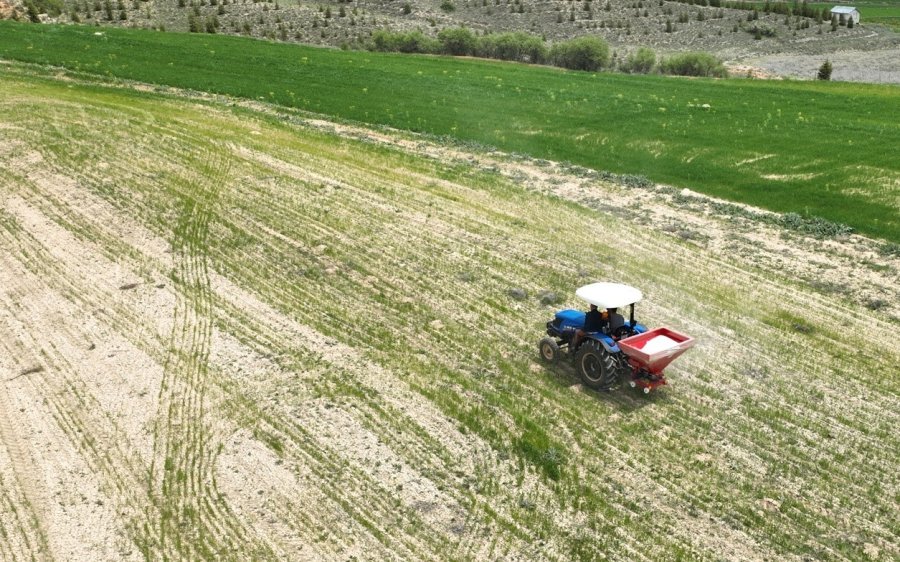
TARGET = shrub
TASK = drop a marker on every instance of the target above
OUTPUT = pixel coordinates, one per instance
(458, 41)
(760, 31)
(515, 46)
(447, 6)
(411, 42)
(824, 71)
(640, 62)
(50, 7)
(583, 53)
(693, 64)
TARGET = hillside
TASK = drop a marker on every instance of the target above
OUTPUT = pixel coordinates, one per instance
(234, 332)
(725, 28)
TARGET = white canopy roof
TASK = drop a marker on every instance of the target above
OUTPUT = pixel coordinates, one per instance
(843, 10)
(609, 295)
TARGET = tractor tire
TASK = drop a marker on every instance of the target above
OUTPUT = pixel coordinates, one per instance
(596, 366)
(549, 350)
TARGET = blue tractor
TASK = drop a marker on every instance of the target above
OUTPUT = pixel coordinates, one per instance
(598, 358)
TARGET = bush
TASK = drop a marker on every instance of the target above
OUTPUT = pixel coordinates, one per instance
(760, 31)
(458, 41)
(412, 42)
(516, 46)
(640, 62)
(693, 64)
(50, 7)
(583, 53)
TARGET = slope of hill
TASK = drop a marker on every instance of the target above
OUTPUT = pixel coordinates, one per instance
(231, 332)
(667, 26)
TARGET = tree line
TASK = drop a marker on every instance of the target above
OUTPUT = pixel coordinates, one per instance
(588, 52)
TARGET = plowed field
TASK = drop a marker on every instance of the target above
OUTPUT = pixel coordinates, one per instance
(229, 332)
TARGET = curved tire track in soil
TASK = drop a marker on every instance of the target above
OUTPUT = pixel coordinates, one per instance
(192, 523)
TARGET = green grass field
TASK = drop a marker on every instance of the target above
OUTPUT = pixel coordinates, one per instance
(824, 149)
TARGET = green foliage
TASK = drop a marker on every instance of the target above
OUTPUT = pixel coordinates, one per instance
(400, 42)
(694, 64)
(583, 53)
(194, 24)
(447, 6)
(517, 46)
(641, 61)
(824, 72)
(816, 226)
(458, 41)
(33, 14)
(760, 31)
(50, 7)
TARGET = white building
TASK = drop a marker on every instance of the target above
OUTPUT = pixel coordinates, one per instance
(845, 14)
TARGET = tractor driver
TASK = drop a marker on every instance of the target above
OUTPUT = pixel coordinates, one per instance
(616, 320)
(594, 321)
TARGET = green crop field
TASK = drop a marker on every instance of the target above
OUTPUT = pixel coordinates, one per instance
(232, 334)
(821, 149)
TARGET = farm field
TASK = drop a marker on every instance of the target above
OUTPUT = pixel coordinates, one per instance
(785, 146)
(232, 331)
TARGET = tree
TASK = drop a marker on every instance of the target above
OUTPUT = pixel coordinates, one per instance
(33, 15)
(824, 71)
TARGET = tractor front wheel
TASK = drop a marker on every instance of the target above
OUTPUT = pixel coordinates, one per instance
(596, 365)
(549, 350)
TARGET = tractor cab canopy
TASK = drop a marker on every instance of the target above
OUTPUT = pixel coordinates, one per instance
(609, 295)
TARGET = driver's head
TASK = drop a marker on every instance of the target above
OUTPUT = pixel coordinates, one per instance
(611, 310)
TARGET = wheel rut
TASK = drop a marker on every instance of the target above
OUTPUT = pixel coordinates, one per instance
(192, 522)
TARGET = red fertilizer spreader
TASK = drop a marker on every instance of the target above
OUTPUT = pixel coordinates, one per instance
(651, 352)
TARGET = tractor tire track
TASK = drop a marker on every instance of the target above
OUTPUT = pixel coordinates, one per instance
(182, 477)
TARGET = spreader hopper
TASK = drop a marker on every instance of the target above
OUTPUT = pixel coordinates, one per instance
(655, 349)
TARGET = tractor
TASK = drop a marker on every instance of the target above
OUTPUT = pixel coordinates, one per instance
(619, 347)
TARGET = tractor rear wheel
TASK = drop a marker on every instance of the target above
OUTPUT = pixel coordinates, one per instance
(549, 350)
(596, 366)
